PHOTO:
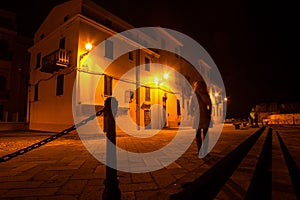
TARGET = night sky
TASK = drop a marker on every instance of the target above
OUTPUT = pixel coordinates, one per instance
(253, 43)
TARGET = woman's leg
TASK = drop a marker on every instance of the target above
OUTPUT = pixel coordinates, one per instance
(205, 141)
(198, 139)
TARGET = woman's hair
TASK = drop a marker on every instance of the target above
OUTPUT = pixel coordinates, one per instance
(201, 85)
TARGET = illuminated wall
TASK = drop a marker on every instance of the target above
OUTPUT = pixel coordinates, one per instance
(68, 28)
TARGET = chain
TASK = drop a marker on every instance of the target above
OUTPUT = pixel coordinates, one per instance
(50, 139)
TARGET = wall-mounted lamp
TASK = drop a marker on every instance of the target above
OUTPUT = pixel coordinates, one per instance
(88, 47)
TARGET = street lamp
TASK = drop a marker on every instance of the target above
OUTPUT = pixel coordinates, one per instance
(88, 47)
(225, 106)
(159, 82)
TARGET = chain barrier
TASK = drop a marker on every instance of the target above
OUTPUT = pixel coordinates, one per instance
(50, 139)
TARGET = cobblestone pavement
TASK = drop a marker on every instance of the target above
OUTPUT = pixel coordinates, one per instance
(64, 169)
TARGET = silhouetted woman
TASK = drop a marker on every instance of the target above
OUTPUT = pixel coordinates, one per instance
(204, 113)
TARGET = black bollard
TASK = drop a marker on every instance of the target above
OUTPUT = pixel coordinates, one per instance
(111, 190)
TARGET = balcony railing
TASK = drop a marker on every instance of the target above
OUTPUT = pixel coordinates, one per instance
(55, 61)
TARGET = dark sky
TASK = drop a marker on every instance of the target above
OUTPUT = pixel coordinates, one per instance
(253, 43)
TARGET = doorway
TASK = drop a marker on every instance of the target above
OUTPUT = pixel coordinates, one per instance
(147, 119)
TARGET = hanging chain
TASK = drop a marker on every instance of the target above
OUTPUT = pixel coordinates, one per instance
(50, 139)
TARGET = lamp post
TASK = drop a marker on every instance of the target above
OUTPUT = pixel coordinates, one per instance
(225, 105)
(111, 182)
(159, 82)
(88, 47)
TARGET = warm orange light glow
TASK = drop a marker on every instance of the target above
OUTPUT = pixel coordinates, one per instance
(216, 94)
(88, 46)
(225, 99)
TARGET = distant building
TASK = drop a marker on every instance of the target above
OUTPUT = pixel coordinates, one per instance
(14, 66)
(278, 113)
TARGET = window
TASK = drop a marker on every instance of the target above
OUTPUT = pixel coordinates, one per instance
(4, 50)
(28, 58)
(60, 85)
(2, 83)
(178, 108)
(109, 49)
(62, 42)
(1, 112)
(147, 94)
(128, 96)
(147, 64)
(107, 85)
(66, 18)
(38, 60)
(130, 55)
(36, 92)
(3, 46)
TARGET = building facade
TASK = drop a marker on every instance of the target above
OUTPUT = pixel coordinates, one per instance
(75, 66)
(275, 113)
(14, 66)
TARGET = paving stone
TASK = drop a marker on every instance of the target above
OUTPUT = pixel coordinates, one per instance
(56, 181)
(128, 196)
(151, 195)
(15, 178)
(142, 177)
(8, 173)
(44, 175)
(138, 186)
(73, 187)
(91, 192)
(2, 192)
(59, 197)
(22, 184)
(66, 170)
(35, 192)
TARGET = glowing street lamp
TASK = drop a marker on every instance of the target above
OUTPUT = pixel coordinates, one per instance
(88, 47)
(159, 82)
(225, 106)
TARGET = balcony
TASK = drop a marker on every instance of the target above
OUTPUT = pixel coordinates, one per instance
(55, 61)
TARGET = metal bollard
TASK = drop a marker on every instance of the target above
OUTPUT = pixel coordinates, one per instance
(111, 190)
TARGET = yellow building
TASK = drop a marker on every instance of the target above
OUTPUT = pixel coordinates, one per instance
(61, 78)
